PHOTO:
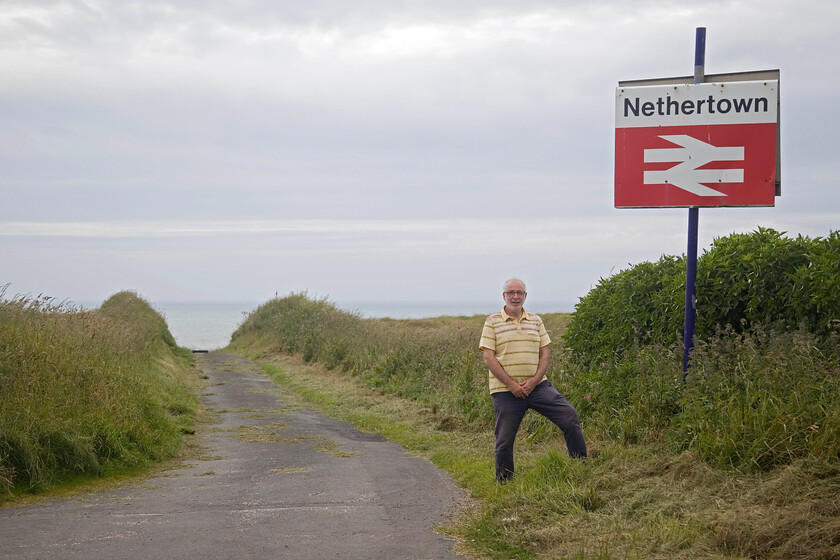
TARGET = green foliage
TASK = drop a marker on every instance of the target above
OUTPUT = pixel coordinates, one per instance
(764, 366)
(753, 400)
(816, 284)
(760, 400)
(84, 393)
(635, 307)
(632, 401)
(748, 279)
(743, 280)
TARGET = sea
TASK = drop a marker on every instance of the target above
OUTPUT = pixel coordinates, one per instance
(209, 325)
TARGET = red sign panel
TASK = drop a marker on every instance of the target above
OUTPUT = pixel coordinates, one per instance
(696, 145)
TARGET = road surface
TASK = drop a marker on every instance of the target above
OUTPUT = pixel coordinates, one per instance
(274, 480)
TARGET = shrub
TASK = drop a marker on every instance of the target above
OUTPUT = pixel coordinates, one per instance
(635, 307)
(761, 278)
(749, 279)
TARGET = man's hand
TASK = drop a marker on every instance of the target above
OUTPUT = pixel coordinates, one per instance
(529, 385)
(518, 389)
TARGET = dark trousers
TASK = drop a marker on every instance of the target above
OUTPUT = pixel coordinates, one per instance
(546, 400)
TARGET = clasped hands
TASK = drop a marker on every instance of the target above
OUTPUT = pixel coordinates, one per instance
(525, 388)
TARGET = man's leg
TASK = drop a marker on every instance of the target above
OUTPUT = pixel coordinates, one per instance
(548, 401)
(509, 413)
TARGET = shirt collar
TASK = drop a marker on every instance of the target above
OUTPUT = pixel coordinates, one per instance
(507, 317)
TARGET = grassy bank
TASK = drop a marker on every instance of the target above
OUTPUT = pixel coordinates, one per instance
(87, 393)
(723, 466)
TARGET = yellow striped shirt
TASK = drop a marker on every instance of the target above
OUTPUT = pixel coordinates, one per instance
(516, 345)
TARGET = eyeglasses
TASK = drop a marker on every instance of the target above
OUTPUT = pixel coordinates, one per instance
(511, 293)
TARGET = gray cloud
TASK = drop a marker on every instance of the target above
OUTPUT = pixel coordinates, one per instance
(182, 114)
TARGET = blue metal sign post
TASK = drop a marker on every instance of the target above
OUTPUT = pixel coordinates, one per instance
(693, 223)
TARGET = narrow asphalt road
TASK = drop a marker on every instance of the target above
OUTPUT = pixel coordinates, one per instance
(274, 481)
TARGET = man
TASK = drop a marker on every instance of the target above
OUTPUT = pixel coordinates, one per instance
(515, 345)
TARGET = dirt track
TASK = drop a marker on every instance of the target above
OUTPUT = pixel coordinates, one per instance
(274, 481)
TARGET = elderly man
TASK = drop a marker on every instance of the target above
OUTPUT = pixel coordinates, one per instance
(515, 345)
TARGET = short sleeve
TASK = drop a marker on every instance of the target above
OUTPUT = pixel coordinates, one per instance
(545, 340)
(488, 337)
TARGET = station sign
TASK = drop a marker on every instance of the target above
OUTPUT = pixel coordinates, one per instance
(697, 145)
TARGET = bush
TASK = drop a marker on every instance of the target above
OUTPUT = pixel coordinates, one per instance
(761, 278)
(636, 307)
(749, 279)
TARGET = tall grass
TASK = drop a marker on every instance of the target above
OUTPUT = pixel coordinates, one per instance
(432, 361)
(754, 400)
(762, 399)
(86, 393)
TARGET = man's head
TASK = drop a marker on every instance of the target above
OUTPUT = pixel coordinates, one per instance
(514, 294)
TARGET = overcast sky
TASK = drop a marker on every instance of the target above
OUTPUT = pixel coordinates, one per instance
(370, 150)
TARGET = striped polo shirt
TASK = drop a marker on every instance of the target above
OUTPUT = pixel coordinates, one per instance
(516, 344)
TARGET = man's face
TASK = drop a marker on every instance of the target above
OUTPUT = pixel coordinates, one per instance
(514, 295)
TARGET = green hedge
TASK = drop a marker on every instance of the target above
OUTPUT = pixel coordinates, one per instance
(743, 280)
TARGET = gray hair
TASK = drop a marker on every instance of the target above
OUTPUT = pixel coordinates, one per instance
(514, 279)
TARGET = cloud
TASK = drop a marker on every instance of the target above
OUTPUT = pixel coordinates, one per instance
(288, 136)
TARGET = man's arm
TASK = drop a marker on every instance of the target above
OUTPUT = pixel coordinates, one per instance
(542, 366)
(499, 373)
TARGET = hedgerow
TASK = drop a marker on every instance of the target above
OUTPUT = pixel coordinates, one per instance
(757, 279)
